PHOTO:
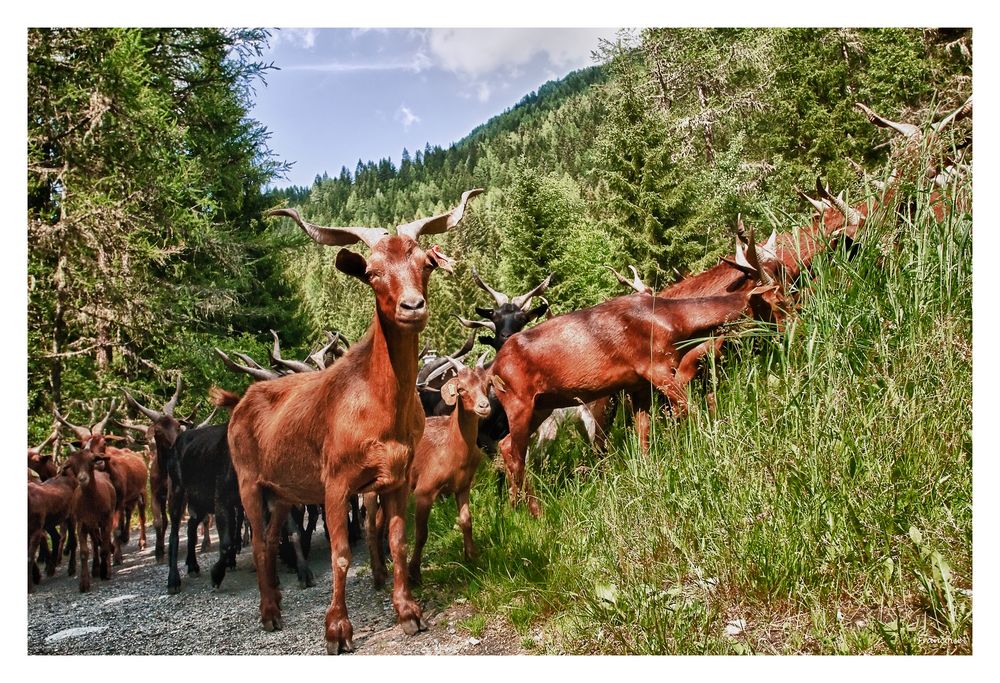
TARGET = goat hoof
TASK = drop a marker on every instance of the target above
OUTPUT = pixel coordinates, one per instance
(194, 573)
(173, 590)
(333, 647)
(412, 627)
(275, 624)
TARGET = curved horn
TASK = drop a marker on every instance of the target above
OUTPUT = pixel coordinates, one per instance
(481, 361)
(905, 129)
(523, 300)
(248, 360)
(257, 373)
(168, 409)
(472, 324)
(204, 423)
(82, 433)
(851, 215)
(319, 358)
(51, 437)
(333, 236)
(99, 427)
(148, 412)
(635, 283)
(448, 364)
(820, 206)
(763, 277)
(963, 112)
(142, 429)
(769, 249)
(466, 347)
(440, 223)
(293, 365)
(499, 297)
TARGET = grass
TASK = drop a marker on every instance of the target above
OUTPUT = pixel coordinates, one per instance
(826, 507)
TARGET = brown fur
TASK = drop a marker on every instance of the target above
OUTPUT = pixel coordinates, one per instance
(629, 343)
(445, 463)
(94, 511)
(49, 503)
(320, 437)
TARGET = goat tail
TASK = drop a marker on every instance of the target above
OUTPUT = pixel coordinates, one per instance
(222, 398)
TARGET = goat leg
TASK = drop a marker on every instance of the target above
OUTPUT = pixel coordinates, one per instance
(339, 631)
(424, 501)
(408, 612)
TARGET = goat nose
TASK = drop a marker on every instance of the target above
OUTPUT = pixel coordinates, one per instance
(414, 303)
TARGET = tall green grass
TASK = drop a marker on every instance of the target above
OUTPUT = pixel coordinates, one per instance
(825, 508)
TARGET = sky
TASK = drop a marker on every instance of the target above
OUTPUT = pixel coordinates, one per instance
(347, 94)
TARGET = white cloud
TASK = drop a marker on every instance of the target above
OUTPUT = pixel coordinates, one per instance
(476, 52)
(483, 92)
(419, 62)
(304, 38)
(406, 116)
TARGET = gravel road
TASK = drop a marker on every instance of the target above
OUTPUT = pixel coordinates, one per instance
(132, 614)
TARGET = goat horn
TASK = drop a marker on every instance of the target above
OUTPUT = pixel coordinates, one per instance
(248, 360)
(488, 324)
(635, 283)
(333, 236)
(204, 423)
(82, 433)
(851, 215)
(440, 223)
(741, 232)
(481, 361)
(963, 112)
(293, 365)
(763, 277)
(466, 347)
(131, 425)
(816, 204)
(148, 412)
(906, 129)
(256, 373)
(51, 437)
(447, 364)
(319, 358)
(523, 300)
(168, 409)
(499, 297)
(99, 427)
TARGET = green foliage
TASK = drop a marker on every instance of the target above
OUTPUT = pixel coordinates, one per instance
(144, 177)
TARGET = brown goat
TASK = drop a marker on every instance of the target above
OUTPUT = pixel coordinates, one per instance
(318, 437)
(445, 462)
(128, 473)
(629, 343)
(94, 509)
(49, 505)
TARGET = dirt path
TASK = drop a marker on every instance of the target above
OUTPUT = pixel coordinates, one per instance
(133, 614)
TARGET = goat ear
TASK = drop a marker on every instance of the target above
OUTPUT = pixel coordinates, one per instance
(483, 312)
(449, 392)
(537, 311)
(352, 264)
(498, 383)
(440, 259)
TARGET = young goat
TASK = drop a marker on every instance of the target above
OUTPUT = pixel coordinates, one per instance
(94, 512)
(445, 462)
(318, 437)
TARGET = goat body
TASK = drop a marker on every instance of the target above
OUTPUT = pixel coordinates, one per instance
(629, 343)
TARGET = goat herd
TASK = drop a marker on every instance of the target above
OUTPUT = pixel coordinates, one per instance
(364, 419)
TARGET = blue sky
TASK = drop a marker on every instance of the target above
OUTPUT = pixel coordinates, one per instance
(348, 94)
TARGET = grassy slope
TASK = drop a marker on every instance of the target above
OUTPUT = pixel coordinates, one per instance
(827, 505)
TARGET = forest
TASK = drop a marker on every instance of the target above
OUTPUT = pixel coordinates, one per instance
(826, 497)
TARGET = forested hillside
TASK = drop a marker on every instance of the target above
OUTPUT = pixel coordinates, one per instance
(147, 248)
(818, 498)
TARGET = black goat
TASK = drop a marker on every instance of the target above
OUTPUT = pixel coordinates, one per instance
(510, 315)
(201, 476)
